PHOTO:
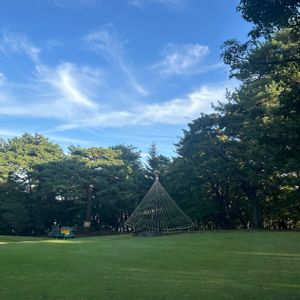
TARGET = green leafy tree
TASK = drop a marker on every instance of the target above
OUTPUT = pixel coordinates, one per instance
(18, 158)
(115, 174)
(265, 110)
(269, 16)
(156, 162)
(210, 175)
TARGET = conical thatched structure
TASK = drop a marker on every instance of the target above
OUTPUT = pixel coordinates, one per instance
(158, 213)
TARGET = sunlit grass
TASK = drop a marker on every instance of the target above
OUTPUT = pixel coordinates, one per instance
(210, 265)
(24, 240)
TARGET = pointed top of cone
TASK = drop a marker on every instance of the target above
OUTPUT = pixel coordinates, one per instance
(156, 173)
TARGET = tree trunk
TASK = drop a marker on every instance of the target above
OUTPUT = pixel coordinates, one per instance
(257, 217)
(250, 192)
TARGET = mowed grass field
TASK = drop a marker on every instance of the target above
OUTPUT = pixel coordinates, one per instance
(210, 265)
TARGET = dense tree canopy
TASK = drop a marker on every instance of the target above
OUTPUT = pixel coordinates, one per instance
(237, 167)
(243, 160)
(40, 184)
(269, 16)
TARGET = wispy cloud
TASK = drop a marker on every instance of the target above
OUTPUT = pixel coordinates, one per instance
(75, 96)
(68, 140)
(174, 111)
(2, 78)
(186, 59)
(60, 92)
(50, 91)
(19, 44)
(66, 80)
(136, 3)
(106, 43)
(5, 95)
(170, 4)
(9, 133)
(53, 43)
(71, 3)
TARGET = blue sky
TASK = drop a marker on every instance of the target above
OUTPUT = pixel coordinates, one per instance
(101, 73)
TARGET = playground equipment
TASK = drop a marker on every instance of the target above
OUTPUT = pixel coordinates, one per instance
(63, 232)
(158, 213)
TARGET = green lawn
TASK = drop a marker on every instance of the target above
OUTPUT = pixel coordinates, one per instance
(211, 265)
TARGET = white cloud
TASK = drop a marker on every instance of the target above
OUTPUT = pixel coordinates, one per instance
(15, 43)
(67, 140)
(53, 43)
(77, 96)
(174, 111)
(137, 3)
(71, 3)
(170, 4)
(182, 59)
(5, 96)
(106, 43)
(62, 92)
(66, 80)
(2, 78)
(8, 133)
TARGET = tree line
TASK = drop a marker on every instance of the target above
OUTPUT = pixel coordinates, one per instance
(237, 167)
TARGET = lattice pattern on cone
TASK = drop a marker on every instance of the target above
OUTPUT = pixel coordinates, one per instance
(158, 213)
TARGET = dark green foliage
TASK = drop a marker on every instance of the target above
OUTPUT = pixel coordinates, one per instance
(269, 16)
(240, 165)
(14, 210)
(216, 175)
(156, 162)
(237, 167)
(40, 185)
